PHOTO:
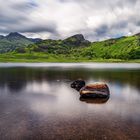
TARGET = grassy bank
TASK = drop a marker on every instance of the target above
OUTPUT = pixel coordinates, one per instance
(43, 57)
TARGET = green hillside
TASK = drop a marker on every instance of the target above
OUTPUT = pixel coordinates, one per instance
(59, 46)
(13, 41)
(121, 48)
(76, 49)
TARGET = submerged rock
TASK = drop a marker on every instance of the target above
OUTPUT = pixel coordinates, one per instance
(95, 90)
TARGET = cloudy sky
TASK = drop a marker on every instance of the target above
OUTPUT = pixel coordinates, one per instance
(95, 19)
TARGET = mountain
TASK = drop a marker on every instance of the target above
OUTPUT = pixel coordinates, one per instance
(76, 40)
(126, 47)
(77, 46)
(14, 36)
(35, 40)
(1, 36)
(74, 47)
(14, 40)
(60, 46)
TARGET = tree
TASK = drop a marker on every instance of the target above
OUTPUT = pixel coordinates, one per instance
(21, 50)
(134, 54)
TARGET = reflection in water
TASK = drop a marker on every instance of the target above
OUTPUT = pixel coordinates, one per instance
(15, 86)
(23, 75)
(38, 103)
(94, 100)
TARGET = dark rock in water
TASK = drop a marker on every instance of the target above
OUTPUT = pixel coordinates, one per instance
(78, 84)
(100, 90)
(94, 100)
(96, 90)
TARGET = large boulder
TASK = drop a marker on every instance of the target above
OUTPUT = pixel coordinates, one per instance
(99, 90)
(95, 90)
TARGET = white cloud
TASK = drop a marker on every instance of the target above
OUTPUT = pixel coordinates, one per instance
(97, 20)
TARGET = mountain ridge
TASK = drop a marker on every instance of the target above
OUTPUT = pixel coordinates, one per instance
(76, 46)
(15, 40)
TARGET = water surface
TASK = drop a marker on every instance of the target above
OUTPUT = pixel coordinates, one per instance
(36, 102)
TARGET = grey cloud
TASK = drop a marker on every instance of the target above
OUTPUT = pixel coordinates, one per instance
(24, 6)
(102, 30)
(17, 19)
(96, 19)
(51, 28)
(12, 14)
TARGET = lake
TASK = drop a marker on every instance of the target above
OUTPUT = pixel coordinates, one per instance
(37, 102)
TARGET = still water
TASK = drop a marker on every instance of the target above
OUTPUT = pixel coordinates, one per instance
(37, 102)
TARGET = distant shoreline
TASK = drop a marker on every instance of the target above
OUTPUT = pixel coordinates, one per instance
(53, 58)
(66, 61)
